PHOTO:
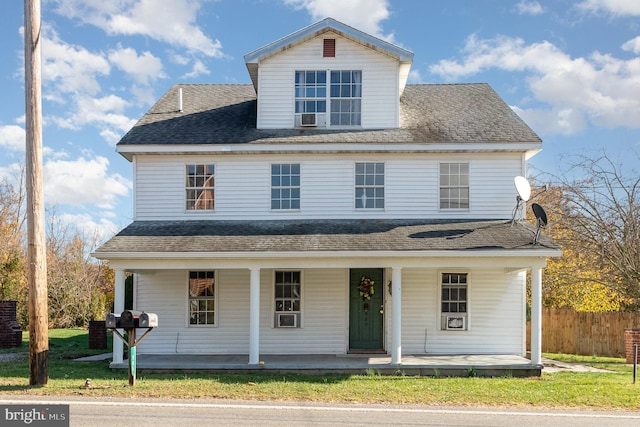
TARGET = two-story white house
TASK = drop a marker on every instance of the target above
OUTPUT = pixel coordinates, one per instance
(330, 208)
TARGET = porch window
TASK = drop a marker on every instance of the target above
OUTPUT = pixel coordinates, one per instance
(200, 187)
(202, 300)
(285, 186)
(288, 299)
(454, 302)
(369, 186)
(454, 185)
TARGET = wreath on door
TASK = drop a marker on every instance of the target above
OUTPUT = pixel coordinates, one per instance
(366, 288)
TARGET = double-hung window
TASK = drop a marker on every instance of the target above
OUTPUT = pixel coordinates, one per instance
(369, 186)
(200, 187)
(202, 298)
(454, 185)
(346, 98)
(288, 298)
(285, 186)
(311, 97)
(454, 301)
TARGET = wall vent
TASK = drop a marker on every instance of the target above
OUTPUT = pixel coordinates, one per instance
(329, 48)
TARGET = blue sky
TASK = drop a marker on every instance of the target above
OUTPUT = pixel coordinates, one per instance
(570, 68)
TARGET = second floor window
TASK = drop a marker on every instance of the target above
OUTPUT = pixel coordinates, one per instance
(285, 186)
(369, 186)
(200, 187)
(454, 185)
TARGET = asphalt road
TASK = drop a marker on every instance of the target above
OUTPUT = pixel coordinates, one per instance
(158, 413)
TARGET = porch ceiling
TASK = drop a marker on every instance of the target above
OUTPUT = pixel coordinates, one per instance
(326, 236)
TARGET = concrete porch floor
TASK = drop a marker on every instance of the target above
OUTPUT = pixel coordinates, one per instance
(426, 365)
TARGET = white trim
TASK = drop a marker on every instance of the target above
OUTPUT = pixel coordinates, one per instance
(128, 151)
(420, 256)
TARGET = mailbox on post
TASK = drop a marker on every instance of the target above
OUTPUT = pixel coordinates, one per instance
(112, 321)
(130, 320)
(148, 320)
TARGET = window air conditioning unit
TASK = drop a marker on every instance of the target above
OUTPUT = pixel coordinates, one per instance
(456, 323)
(285, 320)
(308, 119)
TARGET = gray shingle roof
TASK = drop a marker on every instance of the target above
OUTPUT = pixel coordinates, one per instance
(323, 235)
(430, 114)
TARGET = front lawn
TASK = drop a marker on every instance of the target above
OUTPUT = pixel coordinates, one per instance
(563, 389)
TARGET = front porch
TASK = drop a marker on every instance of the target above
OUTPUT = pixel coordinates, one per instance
(423, 365)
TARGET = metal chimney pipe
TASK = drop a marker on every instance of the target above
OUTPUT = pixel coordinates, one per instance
(180, 100)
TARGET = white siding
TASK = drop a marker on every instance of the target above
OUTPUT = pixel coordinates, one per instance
(242, 187)
(496, 314)
(380, 96)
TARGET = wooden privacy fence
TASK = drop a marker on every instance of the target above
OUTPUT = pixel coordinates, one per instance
(591, 334)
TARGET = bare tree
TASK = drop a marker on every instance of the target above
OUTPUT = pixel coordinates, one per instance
(605, 217)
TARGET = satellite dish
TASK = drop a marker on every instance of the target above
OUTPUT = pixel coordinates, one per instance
(541, 220)
(522, 187)
(540, 214)
(524, 194)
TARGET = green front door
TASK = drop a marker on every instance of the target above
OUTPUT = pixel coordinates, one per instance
(365, 314)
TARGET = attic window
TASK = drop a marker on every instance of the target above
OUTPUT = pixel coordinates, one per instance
(329, 48)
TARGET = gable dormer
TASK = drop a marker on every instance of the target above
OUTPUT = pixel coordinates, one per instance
(329, 76)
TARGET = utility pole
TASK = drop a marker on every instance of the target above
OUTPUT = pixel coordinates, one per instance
(37, 255)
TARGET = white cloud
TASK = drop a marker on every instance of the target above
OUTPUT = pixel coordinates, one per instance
(365, 15)
(92, 230)
(83, 182)
(198, 69)
(12, 138)
(169, 21)
(632, 45)
(143, 69)
(415, 77)
(529, 8)
(613, 7)
(70, 69)
(105, 113)
(603, 89)
(552, 120)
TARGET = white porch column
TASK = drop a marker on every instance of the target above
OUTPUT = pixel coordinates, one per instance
(536, 315)
(254, 317)
(118, 307)
(396, 301)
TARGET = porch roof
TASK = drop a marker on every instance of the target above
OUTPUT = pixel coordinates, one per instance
(330, 235)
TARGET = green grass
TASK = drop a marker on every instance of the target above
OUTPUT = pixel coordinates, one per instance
(563, 389)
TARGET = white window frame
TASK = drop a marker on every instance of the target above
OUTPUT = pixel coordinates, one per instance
(364, 186)
(289, 187)
(199, 188)
(274, 299)
(214, 297)
(444, 315)
(456, 185)
(323, 118)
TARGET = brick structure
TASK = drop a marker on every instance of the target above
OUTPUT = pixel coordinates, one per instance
(631, 337)
(97, 334)
(10, 330)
